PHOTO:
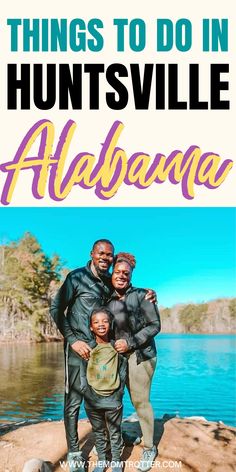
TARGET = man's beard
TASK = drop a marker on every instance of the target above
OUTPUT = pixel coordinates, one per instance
(102, 273)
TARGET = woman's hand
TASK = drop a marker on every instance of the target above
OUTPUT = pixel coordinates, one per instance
(121, 346)
(151, 295)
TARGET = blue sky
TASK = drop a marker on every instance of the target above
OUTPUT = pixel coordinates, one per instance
(184, 254)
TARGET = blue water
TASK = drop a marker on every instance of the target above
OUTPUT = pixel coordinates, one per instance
(195, 376)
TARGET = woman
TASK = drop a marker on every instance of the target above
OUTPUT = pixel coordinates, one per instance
(137, 321)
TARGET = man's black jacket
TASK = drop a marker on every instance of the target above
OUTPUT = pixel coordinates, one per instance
(80, 294)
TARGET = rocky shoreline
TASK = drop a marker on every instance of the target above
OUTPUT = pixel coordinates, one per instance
(185, 444)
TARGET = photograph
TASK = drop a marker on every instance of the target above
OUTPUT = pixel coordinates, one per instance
(117, 236)
(164, 279)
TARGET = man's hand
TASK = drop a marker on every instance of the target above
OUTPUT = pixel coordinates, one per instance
(82, 348)
(151, 295)
(121, 346)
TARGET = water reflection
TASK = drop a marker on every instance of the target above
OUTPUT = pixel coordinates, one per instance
(31, 378)
(195, 376)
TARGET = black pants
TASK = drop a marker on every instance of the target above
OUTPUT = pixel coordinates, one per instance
(107, 420)
(73, 400)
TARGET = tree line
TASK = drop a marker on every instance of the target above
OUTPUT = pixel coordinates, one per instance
(29, 278)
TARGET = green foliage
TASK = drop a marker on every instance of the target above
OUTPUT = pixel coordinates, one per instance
(191, 317)
(26, 275)
(232, 308)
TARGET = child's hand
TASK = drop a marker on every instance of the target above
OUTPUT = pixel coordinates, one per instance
(121, 346)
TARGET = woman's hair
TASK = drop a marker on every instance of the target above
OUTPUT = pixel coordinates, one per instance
(125, 257)
(102, 309)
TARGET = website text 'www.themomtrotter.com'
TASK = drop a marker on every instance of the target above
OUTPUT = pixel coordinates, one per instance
(128, 464)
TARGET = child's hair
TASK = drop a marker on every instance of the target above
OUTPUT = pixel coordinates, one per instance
(125, 257)
(102, 309)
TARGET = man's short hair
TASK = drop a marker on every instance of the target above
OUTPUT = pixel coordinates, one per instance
(103, 241)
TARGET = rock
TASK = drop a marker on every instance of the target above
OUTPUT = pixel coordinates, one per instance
(197, 418)
(131, 418)
(194, 445)
(37, 465)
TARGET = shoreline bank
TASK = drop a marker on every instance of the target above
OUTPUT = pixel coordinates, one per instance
(196, 444)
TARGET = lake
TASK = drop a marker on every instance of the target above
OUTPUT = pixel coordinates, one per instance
(195, 377)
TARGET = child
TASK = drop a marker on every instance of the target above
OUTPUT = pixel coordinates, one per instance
(106, 376)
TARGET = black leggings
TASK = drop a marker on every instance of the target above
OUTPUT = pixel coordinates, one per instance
(107, 420)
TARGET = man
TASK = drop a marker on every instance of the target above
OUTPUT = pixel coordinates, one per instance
(84, 290)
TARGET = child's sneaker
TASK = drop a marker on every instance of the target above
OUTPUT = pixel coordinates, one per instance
(76, 461)
(116, 466)
(100, 467)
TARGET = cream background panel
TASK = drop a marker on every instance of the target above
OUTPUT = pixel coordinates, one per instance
(150, 131)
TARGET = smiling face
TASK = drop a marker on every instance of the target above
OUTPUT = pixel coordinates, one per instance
(102, 257)
(121, 276)
(100, 326)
